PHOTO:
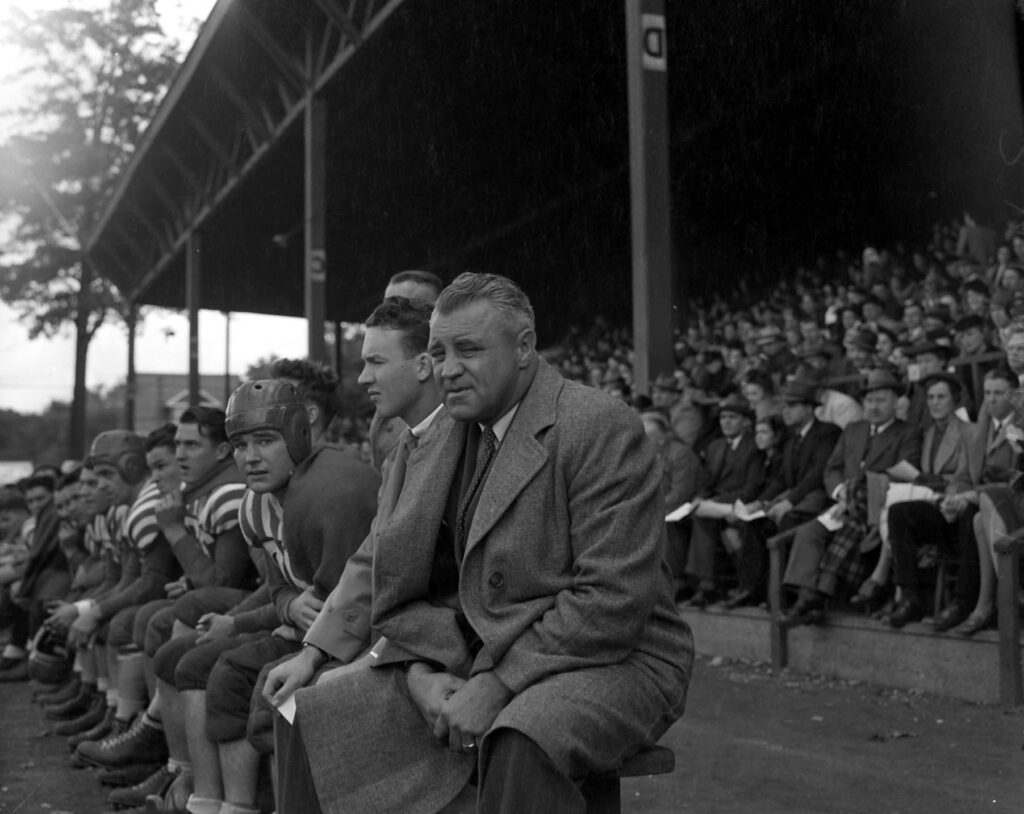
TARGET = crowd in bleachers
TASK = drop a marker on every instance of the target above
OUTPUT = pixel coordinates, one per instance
(918, 345)
(866, 407)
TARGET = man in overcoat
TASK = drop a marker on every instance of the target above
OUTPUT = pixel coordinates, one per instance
(520, 588)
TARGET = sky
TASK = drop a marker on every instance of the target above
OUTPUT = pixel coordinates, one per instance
(35, 372)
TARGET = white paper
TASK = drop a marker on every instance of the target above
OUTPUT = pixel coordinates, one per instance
(682, 512)
(830, 518)
(287, 708)
(743, 513)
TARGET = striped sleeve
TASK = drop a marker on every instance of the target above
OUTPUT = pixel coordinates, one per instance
(259, 517)
(115, 530)
(220, 511)
(141, 525)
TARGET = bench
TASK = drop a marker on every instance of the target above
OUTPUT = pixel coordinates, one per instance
(601, 791)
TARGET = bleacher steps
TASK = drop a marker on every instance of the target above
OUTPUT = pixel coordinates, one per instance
(861, 649)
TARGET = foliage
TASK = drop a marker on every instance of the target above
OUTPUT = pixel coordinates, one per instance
(43, 437)
(95, 79)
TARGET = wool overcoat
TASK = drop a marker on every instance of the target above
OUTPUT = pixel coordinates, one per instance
(563, 580)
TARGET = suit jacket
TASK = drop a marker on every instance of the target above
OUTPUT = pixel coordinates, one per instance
(733, 474)
(562, 579)
(856, 452)
(947, 457)
(803, 464)
(342, 628)
(978, 453)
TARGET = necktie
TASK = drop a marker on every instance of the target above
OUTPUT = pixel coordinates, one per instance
(488, 446)
(396, 475)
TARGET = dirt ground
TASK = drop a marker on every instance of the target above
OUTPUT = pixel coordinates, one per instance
(750, 742)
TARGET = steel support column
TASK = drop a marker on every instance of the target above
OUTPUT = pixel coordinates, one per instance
(649, 190)
(315, 127)
(193, 281)
(130, 388)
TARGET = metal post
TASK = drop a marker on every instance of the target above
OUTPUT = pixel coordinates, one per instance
(227, 358)
(193, 280)
(647, 72)
(315, 128)
(130, 387)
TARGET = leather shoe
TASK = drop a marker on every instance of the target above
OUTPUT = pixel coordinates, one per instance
(952, 615)
(905, 612)
(741, 599)
(701, 599)
(975, 622)
(869, 597)
(807, 611)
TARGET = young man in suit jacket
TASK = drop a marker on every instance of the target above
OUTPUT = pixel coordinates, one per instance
(530, 628)
(795, 495)
(881, 443)
(735, 472)
(398, 374)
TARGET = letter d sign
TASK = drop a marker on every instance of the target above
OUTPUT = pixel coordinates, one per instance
(653, 28)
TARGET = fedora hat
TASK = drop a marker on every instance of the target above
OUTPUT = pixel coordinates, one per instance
(667, 382)
(735, 403)
(800, 392)
(881, 379)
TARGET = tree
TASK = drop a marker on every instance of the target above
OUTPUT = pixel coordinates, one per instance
(96, 78)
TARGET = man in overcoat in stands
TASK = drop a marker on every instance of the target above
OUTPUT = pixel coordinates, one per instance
(528, 624)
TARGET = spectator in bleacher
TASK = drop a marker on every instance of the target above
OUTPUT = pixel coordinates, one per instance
(734, 466)
(1014, 347)
(972, 341)
(976, 297)
(929, 357)
(793, 493)
(683, 477)
(942, 451)
(913, 320)
(774, 353)
(986, 460)
(821, 558)
(759, 391)
(999, 316)
(685, 416)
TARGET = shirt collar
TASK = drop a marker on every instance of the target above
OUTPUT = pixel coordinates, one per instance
(500, 426)
(420, 429)
(806, 428)
(883, 427)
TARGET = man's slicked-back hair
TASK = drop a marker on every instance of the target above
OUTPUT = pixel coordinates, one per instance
(210, 421)
(315, 381)
(501, 292)
(410, 317)
(161, 437)
(427, 278)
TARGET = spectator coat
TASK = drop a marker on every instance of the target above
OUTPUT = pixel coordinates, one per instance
(733, 474)
(562, 579)
(857, 452)
(801, 477)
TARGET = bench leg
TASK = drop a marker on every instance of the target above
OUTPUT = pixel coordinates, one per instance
(779, 644)
(602, 795)
(1011, 693)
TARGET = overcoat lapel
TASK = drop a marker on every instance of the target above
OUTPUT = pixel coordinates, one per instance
(520, 457)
